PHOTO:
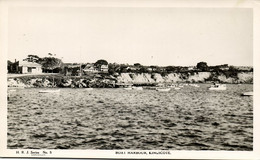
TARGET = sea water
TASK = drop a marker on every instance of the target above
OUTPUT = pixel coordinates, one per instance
(187, 119)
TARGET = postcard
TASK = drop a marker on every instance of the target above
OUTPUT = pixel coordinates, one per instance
(130, 79)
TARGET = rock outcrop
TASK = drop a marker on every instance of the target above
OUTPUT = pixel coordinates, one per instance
(108, 81)
(199, 77)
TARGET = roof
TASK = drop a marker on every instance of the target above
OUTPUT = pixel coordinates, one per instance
(73, 66)
(29, 64)
(104, 66)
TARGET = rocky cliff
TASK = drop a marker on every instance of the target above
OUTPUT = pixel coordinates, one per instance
(199, 77)
(108, 81)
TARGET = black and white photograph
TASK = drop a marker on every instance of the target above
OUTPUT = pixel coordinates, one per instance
(137, 80)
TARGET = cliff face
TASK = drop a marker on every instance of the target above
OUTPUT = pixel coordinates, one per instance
(243, 77)
(199, 77)
(72, 82)
(99, 81)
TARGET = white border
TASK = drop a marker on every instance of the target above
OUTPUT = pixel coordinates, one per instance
(254, 4)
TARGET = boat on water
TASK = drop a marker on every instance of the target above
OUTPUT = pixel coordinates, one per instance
(12, 90)
(88, 89)
(128, 88)
(50, 91)
(138, 88)
(194, 85)
(177, 88)
(247, 94)
(218, 87)
(163, 89)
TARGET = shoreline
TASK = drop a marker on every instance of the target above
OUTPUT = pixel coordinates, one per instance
(123, 80)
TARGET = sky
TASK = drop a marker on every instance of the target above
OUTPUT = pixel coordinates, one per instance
(150, 36)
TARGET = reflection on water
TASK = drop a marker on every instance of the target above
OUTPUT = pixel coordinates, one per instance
(187, 119)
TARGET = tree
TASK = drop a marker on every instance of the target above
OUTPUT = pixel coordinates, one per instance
(51, 55)
(50, 63)
(137, 65)
(101, 62)
(32, 58)
(9, 62)
(111, 68)
(123, 68)
(233, 69)
(9, 66)
(169, 69)
(143, 69)
(202, 66)
(154, 68)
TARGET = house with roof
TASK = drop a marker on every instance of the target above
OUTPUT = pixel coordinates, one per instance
(133, 68)
(29, 67)
(24, 67)
(90, 68)
(104, 68)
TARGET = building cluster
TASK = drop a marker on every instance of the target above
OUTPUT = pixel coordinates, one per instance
(25, 67)
(78, 69)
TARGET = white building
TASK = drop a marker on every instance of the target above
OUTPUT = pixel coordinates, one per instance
(90, 68)
(29, 67)
(104, 68)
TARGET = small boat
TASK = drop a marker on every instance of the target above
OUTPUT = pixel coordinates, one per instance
(218, 87)
(138, 88)
(88, 89)
(177, 88)
(194, 85)
(247, 94)
(128, 88)
(50, 91)
(163, 89)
